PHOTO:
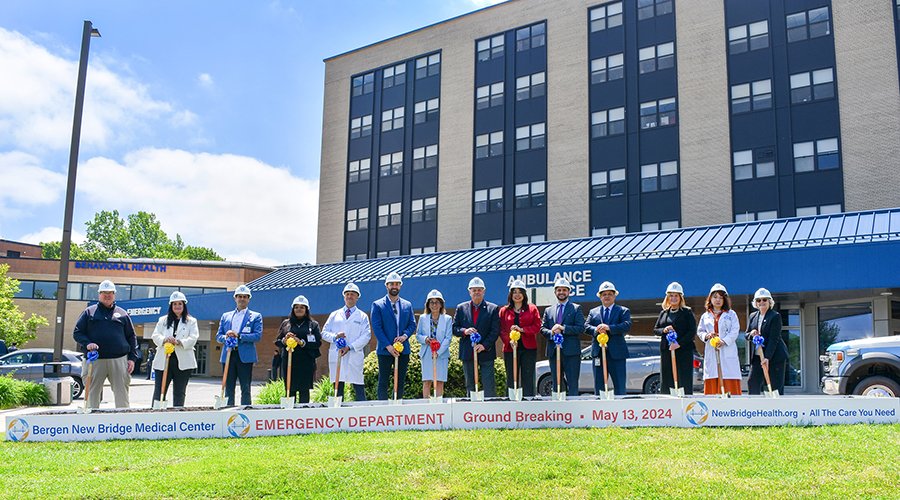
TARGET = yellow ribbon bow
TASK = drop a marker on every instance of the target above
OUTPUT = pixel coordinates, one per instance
(602, 339)
(398, 347)
(715, 342)
(515, 335)
(291, 344)
(169, 348)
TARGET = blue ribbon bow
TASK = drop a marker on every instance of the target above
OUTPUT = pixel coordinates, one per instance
(231, 342)
(475, 337)
(558, 338)
(758, 341)
(340, 342)
(93, 356)
(672, 337)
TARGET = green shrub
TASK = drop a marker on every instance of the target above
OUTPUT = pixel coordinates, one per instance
(14, 392)
(455, 387)
(271, 393)
(324, 388)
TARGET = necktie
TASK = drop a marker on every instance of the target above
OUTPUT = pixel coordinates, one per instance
(475, 310)
(559, 313)
(396, 313)
(605, 315)
(347, 313)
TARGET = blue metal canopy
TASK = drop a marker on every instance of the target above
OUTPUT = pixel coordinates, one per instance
(827, 252)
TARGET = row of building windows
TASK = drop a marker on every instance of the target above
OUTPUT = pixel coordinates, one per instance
(807, 86)
(29, 289)
(800, 212)
(661, 113)
(389, 214)
(809, 156)
(395, 75)
(393, 119)
(527, 38)
(612, 67)
(610, 15)
(800, 26)
(425, 157)
(527, 87)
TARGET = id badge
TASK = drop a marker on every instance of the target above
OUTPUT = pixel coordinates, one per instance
(598, 362)
(246, 329)
(310, 338)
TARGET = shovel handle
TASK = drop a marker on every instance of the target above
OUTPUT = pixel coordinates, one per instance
(674, 370)
(162, 388)
(225, 372)
(337, 375)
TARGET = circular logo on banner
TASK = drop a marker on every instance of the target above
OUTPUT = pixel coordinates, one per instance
(238, 425)
(18, 429)
(696, 412)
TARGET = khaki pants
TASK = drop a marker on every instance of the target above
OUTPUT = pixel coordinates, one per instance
(114, 369)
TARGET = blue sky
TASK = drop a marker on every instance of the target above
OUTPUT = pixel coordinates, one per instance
(207, 113)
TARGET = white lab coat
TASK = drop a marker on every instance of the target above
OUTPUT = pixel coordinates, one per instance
(187, 333)
(729, 330)
(358, 332)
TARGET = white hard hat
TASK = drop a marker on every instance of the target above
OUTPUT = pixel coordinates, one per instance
(393, 278)
(176, 296)
(476, 283)
(675, 287)
(434, 294)
(762, 293)
(351, 287)
(243, 290)
(562, 282)
(607, 286)
(300, 300)
(718, 287)
(517, 284)
(106, 286)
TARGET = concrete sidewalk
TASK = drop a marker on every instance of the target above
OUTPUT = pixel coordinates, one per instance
(201, 391)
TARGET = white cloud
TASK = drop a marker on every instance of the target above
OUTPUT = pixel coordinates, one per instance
(205, 80)
(26, 184)
(37, 97)
(237, 205)
(49, 234)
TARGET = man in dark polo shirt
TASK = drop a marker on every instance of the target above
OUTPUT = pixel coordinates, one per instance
(106, 328)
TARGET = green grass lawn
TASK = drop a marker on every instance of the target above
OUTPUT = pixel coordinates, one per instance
(835, 461)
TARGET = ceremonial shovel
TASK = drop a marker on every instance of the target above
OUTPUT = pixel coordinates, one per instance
(335, 400)
(398, 347)
(515, 393)
(716, 342)
(220, 399)
(770, 393)
(287, 402)
(91, 357)
(162, 404)
(602, 339)
(476, 395)
(672, 337)
(435, 346)
(558, 395)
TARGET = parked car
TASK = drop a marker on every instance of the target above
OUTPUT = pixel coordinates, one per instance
(28, 364)
(641, 369)
(866, 367)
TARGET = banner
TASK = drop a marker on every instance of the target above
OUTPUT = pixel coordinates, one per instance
(583, 412)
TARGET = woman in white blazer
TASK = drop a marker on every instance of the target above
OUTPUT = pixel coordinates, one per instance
(350, 323)
(434, 325)
(720, 321)
(179, 329)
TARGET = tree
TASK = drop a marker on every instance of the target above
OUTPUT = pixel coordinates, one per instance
(14, 327)
(140, 236)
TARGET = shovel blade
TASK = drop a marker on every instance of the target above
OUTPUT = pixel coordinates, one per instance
(335, 401)
(476, 395)
(679, 393)
(557, 396)
(515, 394)
(608, 395)
(160, 405)
(219, 403)
(287, 403)
(772, 394)
(436, 400)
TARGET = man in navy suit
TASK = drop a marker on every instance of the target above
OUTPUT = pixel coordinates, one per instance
(564, 317)
(615, 321)
(246, 326)
(392, 321)
(478, 315)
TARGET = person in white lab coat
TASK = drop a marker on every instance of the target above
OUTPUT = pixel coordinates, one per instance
(720, 322)
(180, 329)
(351, 324)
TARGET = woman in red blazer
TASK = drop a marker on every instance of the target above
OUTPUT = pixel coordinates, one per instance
(519, 315)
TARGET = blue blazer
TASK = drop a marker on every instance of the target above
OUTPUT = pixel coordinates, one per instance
(249, 333)
(443, 334)
(384, 325)
(573, 321)
(488, 327)
(619, 324)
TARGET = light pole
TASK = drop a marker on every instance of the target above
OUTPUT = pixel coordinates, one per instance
(89, 31)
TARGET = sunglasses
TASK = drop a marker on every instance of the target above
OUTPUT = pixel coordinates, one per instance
(760, 300)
